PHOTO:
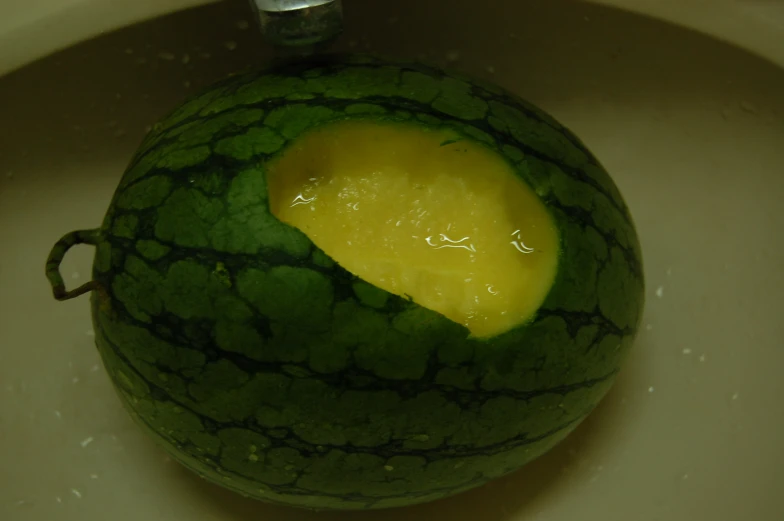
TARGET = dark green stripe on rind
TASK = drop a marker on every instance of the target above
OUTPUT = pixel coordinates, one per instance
(228, 326)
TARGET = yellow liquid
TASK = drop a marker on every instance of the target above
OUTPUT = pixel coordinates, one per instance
(447, 224)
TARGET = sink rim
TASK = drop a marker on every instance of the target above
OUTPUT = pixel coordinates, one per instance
(52, 25)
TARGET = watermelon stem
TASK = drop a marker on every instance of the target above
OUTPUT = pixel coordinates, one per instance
(56, 256)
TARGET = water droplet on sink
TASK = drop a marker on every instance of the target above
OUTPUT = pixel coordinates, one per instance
(748, 106)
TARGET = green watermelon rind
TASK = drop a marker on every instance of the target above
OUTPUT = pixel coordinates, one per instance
(261, 364)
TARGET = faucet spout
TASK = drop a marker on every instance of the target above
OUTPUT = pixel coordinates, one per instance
(299, 23)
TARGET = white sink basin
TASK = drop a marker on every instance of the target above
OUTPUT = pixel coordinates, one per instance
(690, 126)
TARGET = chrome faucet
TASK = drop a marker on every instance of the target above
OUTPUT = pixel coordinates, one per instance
(301, 24)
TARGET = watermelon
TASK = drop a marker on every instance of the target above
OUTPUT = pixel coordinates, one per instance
(352, 283)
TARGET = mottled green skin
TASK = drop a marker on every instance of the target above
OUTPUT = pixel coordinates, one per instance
(264, 366)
